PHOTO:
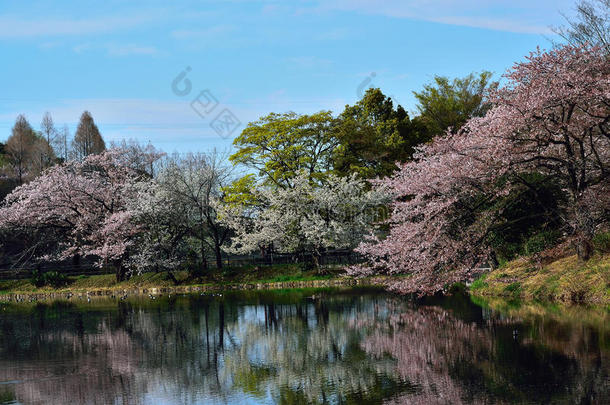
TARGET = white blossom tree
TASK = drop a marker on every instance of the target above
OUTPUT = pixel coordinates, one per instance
(178, 208)
(161, 244)
(306, 218)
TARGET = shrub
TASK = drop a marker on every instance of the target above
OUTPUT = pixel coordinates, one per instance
(479, 283)
(37, 278)
(505, 249)
(55, 279)
(50, 278)
(601, 242)
(540, 241)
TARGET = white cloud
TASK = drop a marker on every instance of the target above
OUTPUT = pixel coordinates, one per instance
(169, 124)
(521, 16)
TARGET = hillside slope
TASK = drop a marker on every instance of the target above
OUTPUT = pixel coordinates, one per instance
(566, 280)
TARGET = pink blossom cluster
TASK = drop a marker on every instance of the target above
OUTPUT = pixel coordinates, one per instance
(82, 201)
(551, 117)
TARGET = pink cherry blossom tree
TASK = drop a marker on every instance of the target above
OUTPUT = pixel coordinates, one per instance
(83, 204)
(552, 116)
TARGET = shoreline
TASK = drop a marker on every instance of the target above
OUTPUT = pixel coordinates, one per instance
(118, 292)
(564, 281)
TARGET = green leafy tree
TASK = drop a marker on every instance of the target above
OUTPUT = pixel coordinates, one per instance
(372, 136)
(241, 192)
(447, 103)
(278, 146)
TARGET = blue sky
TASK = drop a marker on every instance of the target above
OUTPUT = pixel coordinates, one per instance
(118, 59)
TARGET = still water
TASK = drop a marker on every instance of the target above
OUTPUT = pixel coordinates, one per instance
(301, 347)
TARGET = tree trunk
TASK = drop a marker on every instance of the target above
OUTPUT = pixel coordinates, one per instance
(316, 261)
(120, 271)
(584, 248)
(584, 231)
(315, 258)
(204, 262)
(493, 258)
(218, 253)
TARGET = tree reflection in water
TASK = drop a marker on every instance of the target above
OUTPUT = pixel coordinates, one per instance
(486, 357)
(296, 347)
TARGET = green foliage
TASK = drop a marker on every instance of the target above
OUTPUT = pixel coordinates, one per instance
(296, 277)
(514, 289)
(55, 279)
(450, 103)
(279, 146)
(567, 280)
(367, 138)
(240, 193)
(50, 278)
(528, 243)
(37, 278)
(529, 212)
(601, 242)
(373, 135)
(479, 283)
(7, 397)
(458, 288)
(540, 241)
(192, 262)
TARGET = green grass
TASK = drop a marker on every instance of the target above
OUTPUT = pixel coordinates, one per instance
(299, 277)
(513, 289)
(7, 397)
(281, 273)
(479, 283)
(566, 280)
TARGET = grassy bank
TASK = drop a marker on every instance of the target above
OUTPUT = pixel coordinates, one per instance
(566, 280)
(248, 277)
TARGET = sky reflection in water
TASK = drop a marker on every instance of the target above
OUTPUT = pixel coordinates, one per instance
(298, 347)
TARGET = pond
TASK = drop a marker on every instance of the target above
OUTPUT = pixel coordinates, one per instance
(344, 346)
